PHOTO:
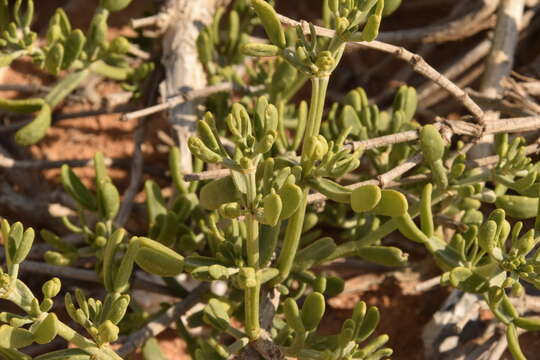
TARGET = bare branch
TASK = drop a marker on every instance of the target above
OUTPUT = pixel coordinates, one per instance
(417, 62)
(163, 321)
(190, 96)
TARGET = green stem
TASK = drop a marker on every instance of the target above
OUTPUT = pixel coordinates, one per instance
(316, 107)
(252, 294)
(252, 225)
(291, 241)
(296, 222)
(251, 301)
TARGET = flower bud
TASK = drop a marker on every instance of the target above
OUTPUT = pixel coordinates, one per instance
(51, 288)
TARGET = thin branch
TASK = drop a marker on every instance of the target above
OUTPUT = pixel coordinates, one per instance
(428, 284)
(163, 321)
(465, 26)
(450, 127)
(501, 58)
(69, 272)
(457, 68)
(190, 96)
(160, 21)
(137, 163)
(26, 119)
(417, 62)
(26, 88)
(10, 163)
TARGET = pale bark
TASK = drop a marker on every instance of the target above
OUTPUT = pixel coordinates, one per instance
(183, 71)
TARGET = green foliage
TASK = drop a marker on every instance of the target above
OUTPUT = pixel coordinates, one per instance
(253, 227)
(68, 52)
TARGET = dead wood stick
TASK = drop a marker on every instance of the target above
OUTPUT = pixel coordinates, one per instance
(501, 59)
(163, 321)
(454, 127)
(137, 161)
(417, 62)
(189, 96)
(466, 26)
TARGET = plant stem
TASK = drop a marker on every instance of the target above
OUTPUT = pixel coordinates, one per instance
(70, 335)
(252, 225)
(252, 294)
(296, 222)
(251, 303)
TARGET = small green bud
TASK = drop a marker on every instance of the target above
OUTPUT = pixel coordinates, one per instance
(325, 62)
(51, 288)
(119, 45)
(247, 277)
(265, 144)
(230, 210)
